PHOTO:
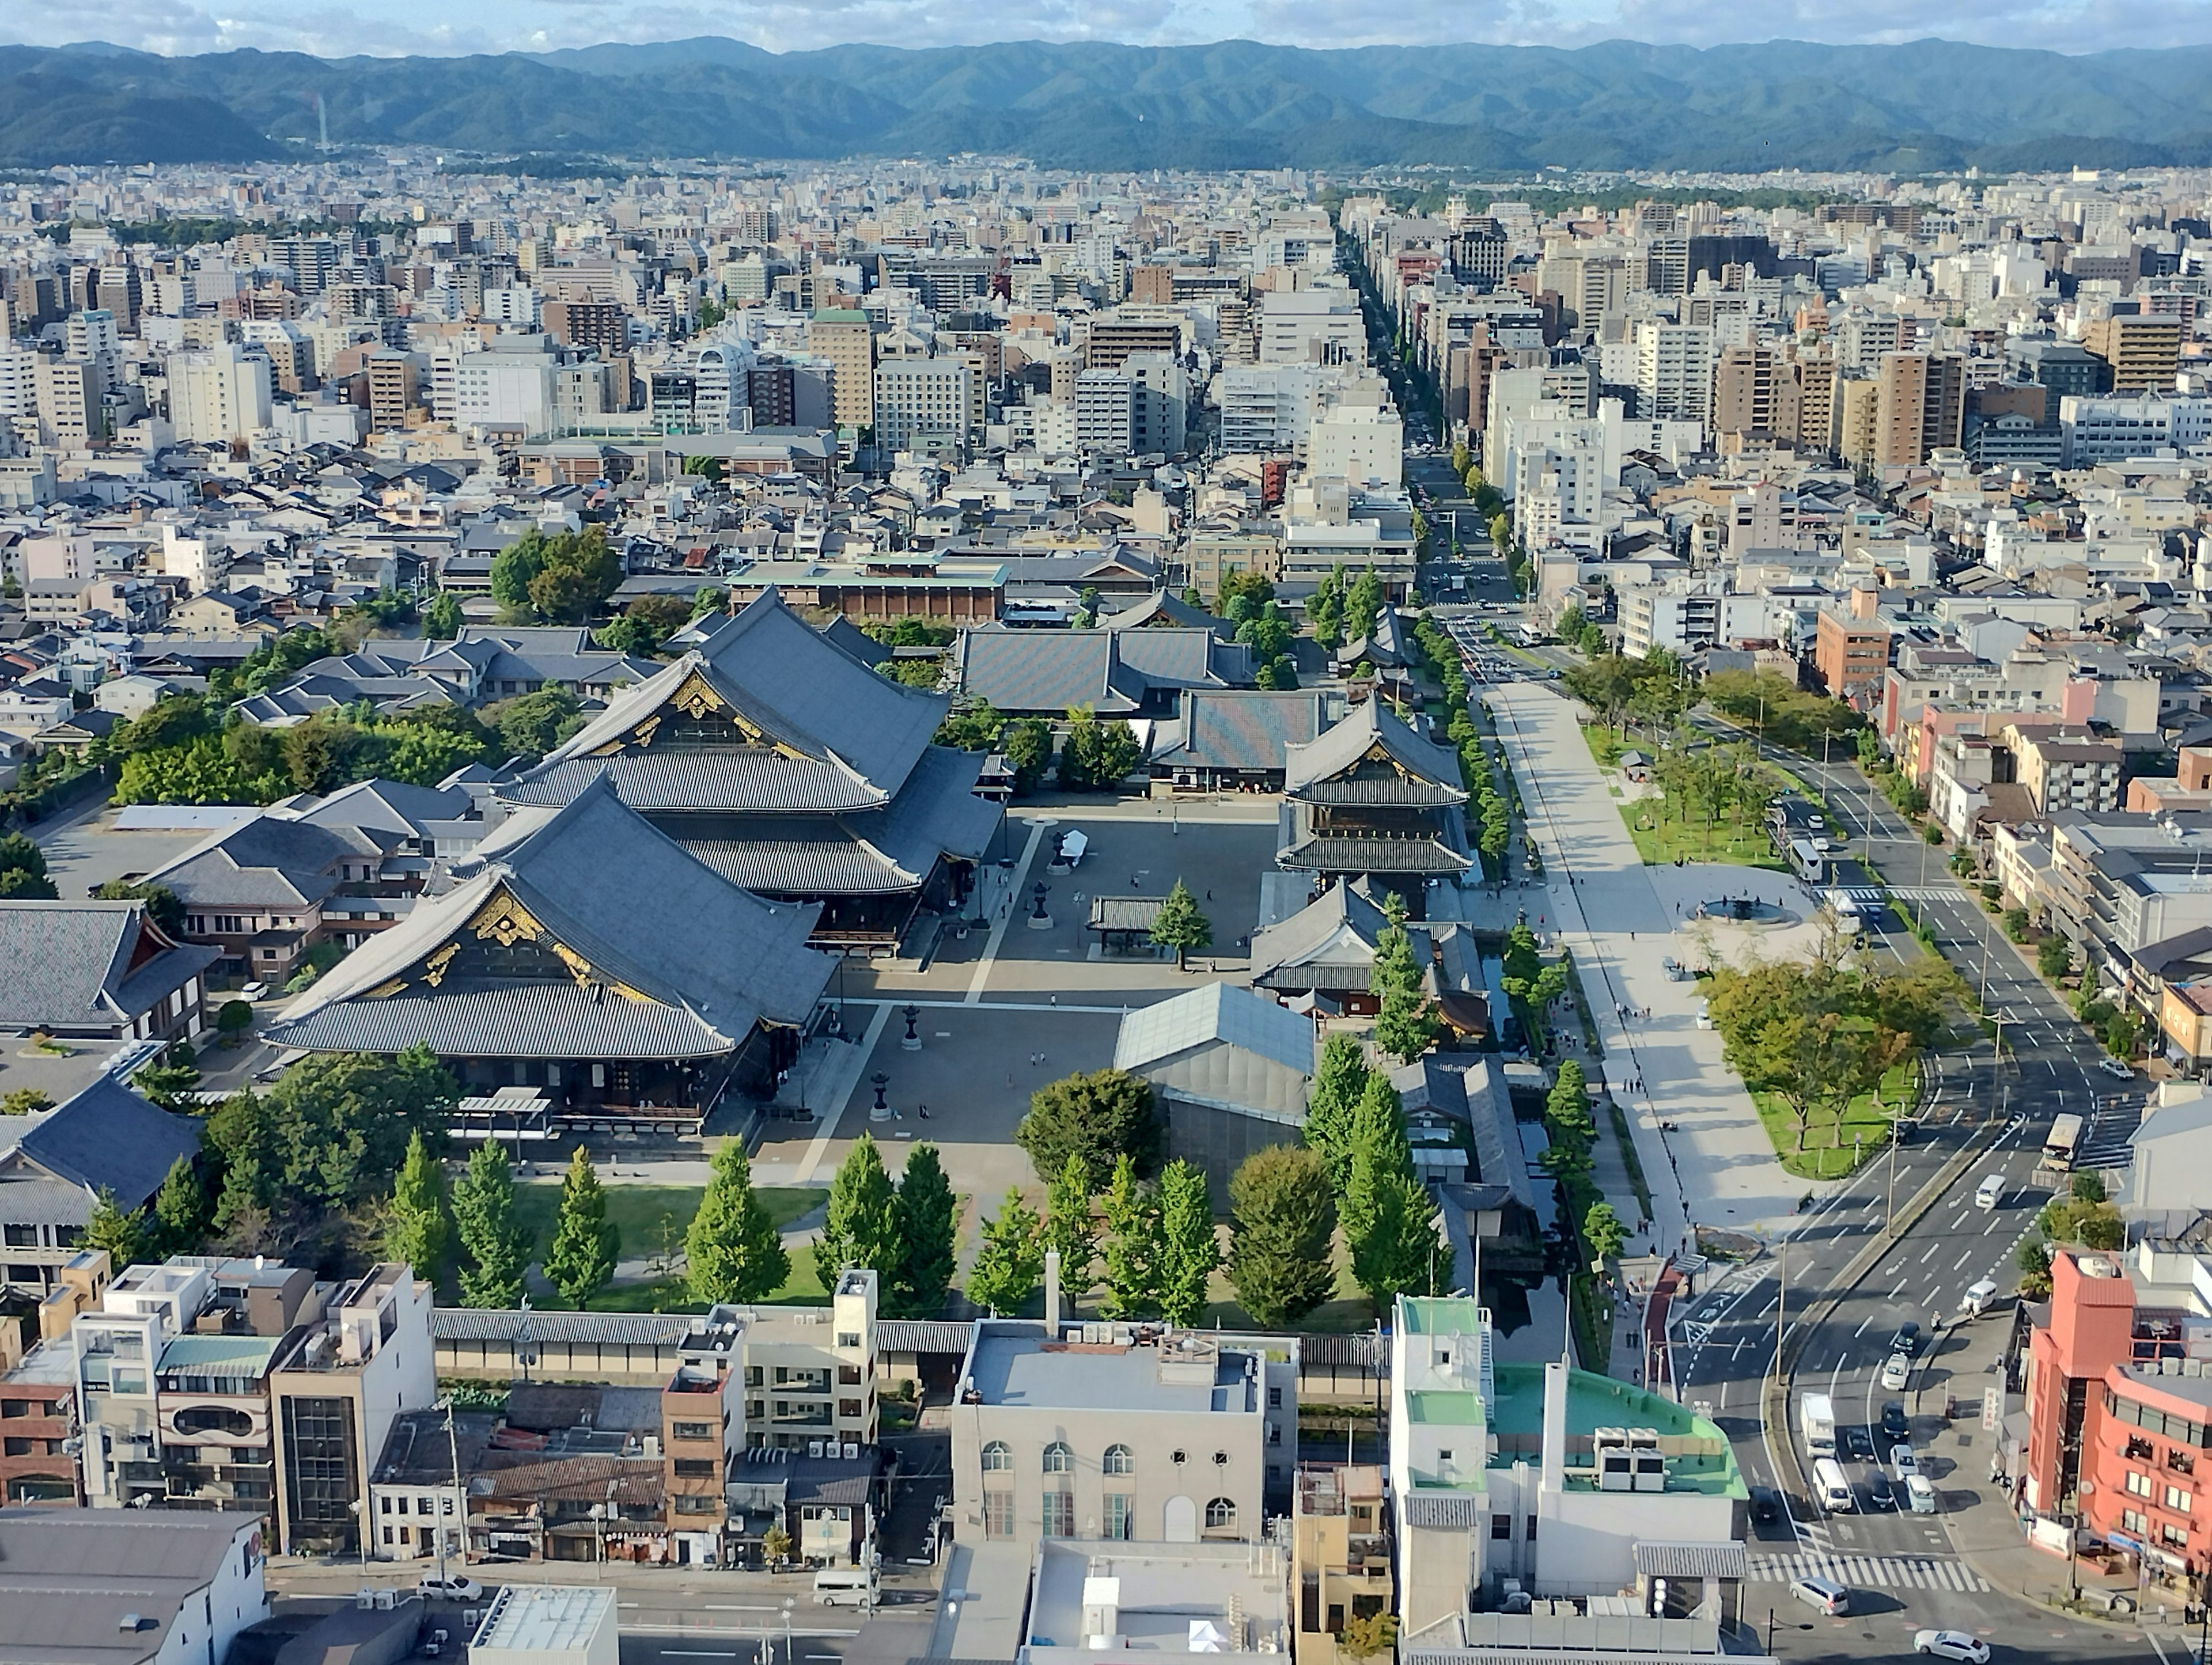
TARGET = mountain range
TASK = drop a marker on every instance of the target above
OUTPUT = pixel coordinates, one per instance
(1927, 106)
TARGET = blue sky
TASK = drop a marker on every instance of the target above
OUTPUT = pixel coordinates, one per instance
(394, 27)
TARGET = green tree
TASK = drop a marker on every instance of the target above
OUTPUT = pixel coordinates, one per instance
(1182, 925)
(708, 599)
(974, 727)
(2033, 1261)
(343, 1121)
(732, 1249)
(124, 1235)
(497, 1244)
(1406, 1026)
(231, 1019)
(181, 1211)
(1069, 1226)
(859, 1227)
(514, 567)
(1009, 1259)
(1367, 1634)
(530, 725)
(1095, 1117)
(2054, 956)
(581, 1258)
(1603, 1234)
(1133, 1246)
(418, 1230)
(1361, 603)
(1028, 745)
(928, 1236)
(1255, 590)
(2086, 1188)
(1189, 1251)
(1283, 1215)
(1397, 1251)
(174, 1073)
(162, 906)
(442, 619)
(1338, 1080)
(25, 1101)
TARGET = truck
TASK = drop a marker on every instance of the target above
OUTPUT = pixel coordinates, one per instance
(1816, 1420)
(2062, 1144)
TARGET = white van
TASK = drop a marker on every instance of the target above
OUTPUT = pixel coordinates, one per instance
(1826, 1594)
(1978, 1297)
(845, 1587)
(1990, 1192)
(1832, 1488)
(1704, 1015)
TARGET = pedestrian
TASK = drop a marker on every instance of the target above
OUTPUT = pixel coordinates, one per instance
(1209, 895)
(921, 1110)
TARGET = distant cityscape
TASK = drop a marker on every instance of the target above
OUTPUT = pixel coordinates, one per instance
(1343, 911)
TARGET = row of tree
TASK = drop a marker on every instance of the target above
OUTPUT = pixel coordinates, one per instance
(1356, 1125)
(1344, 608)
(1479, 770)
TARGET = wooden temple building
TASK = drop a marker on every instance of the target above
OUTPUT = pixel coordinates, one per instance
(790, 767)
(1372, 794)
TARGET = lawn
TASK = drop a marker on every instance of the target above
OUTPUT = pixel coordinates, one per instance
(1831, 1152)
(1661, 837)
(1605, 746)
(652, 1219)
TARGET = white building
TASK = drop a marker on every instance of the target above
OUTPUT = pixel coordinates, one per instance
(218, 395)
(2117, 429)
(1674, 371)
(1317, 325)
(919, 400)
(1360, 443)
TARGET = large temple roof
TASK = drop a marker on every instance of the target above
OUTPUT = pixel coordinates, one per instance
(1341, 766)
(578, 932)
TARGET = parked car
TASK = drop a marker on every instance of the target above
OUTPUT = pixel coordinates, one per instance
(434, 1589)
(1980, 1297)
(1894, 1427)
(1952, 1644)
(1902, 1460)
(1896, 1369)
(2113, 1066)
(254, 990)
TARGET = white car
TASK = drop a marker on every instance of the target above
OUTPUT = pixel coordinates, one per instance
(254, 991)
(1952, 1644)
(1895, 1370)
(1902, 1460)
(434, 1589)
(2113, 1066)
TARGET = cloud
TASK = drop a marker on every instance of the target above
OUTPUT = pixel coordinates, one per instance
(403, 26)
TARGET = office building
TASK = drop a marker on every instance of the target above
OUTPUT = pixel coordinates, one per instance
(219, 395)
(848, 341)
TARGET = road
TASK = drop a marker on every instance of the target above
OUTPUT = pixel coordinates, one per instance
(1997, 1105)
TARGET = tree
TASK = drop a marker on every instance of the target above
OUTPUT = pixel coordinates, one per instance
(1189, 1251)
(1603, 1234)
(2054, 956)
(1133, 1245)
(928, 1236)
(859, 1227)
(1254, 588)
(1406, 1026)
(1069, 1227)
(2086, 1188)
(442, 619)
(1010, 1259)
(25, 1101)
(162, 906)
(339, 1123)
(497, 1244)
(1397, 1251)
(2033, 1261)
(124, 1235)
(1182, 925)
(532, 725)
(587, 1244)
(232, 1020)
(1367, 1634)
(775, 1545)
(1097, 1116)
(1361, 603)
(181, 1211)
(1028, 746)
(1283, 1215)
(418, 1230)
(732, 1249)
(174, 1073)
(971, 727)
(1338, 1080)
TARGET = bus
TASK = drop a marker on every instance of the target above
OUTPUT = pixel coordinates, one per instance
(1808, 861)
(2063, 1143)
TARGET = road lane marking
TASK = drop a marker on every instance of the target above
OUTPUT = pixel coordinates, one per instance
(1930, 1255)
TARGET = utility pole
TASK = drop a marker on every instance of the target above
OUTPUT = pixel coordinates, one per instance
(1889, 1206)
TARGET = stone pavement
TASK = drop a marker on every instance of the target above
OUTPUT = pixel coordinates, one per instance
(1710, 1163)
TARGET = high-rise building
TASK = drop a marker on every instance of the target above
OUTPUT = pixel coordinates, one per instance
(846, 339)
(1756, 391)
(1674, 371)
(219, 395)
(921, 399)
(1922, 406)
(391, 385)
(2142, 350)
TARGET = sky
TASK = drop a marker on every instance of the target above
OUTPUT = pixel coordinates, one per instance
(385, 27)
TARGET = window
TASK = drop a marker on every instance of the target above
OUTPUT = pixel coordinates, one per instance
(2177, 1500)
(1059, 1458)
(2180, 1461)
(2174, 1537)
(849, 1408)
(2138, 1485)
(1221, 1514)
(998, 1514)
(15, 1448)
(1336, 1619)
(1121, 1515)
(1118, 1460)
(383, 1505)
(2135, 1520)
(1059, 1515)
(1274, 1398)
(1221, 1459)
(998, 1457)
(848, 1337)
(848, 1376)
(2138, 1448)
(692, 1431)
(687, 1504)
(14, 1408)
(23, 1237)
(1531, 1533)
(1501, 1528)
(694, 1469)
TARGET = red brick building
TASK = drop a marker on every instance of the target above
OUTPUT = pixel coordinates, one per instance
(2120, 1415)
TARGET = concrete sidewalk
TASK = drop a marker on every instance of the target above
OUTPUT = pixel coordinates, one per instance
(1713, 1163)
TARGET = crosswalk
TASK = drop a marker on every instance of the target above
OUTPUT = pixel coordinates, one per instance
(1869, 1571)
(1868, 895)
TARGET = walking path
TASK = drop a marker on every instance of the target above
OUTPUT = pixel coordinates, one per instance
(1712, 1164)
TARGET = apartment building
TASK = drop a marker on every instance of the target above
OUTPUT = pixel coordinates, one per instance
(1674, 371)
(394, 398)
(1757, 392)
(219, 395)
(2067, 770)
(1850, 654)
(1340, 1563)
(1920, 406)
(2142, 351)
(925, 404)
(848, 341)
(2117, 429)
(2119, 1407)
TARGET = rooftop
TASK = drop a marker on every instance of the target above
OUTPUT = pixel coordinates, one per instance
(1185, 1373)
(1157, 1596)
(538, 1617)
